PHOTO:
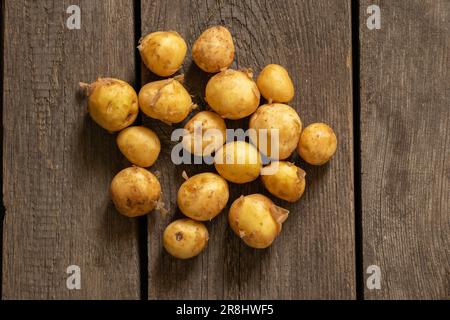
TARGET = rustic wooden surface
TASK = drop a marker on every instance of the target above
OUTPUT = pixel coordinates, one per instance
(405, 101)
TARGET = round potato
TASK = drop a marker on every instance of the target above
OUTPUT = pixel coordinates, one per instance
(284, 180)
(185, 238)
(256, 220)
(232, 94)
(139, 145)
(238, 162)
(275, 116)
(206, 133)
(275, 84)
(112, 103)
(203, 196)
(163, 52)
(317, 144)
(165, 100)
(214, 49)
(135, 191)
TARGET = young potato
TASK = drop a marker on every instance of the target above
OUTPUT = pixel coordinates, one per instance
(275, 84)
(238, 162)
(112, 103)
(276, 116)
(213, 51)
(165, 100)
(135, 191)
(317, 144)
(139, 145)
(232, 94)
(185, 238)
(203, 196)
(163, 52)
(287, 181)
(256, 220)
(206, 133)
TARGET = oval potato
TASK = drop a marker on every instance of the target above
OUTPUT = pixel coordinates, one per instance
(140, 145)
(185, 238)
(317, 144)
(275, 84)
(284, 180)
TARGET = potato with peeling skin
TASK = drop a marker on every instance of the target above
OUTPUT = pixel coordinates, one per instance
(140, 145)
(286, 181)
(112, 103)
(232, 94)
(256, 220)
(185, 238)
(135, 191)
(317, 144)
(163, 52)
(214, 49)
(275, 84)
(165, 100)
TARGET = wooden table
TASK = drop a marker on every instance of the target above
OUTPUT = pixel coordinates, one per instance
(382, 201)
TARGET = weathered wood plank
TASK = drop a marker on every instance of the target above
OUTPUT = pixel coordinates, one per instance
(314, 255)
(57, 162)
(405, 100)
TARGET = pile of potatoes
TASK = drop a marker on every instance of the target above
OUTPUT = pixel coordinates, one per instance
(230, 94)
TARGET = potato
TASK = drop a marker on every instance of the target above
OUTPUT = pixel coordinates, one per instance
(287, 181)
(163, 52)
(256, 220)
(317, 144)
(238, 162)
(165, 100)
(135, 191)
(203, 196)
(275, 84)
(185, 238)
(112, 103)
(214, 49)
(276, 116)
(139, 145)
(232, 94)
(210, 135)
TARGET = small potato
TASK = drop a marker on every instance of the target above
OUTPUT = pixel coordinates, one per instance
(206, 133)
(112, 103)
(256, 220)
(163, 52)
(214, 49)
(276, 116)
(135, 191)
(317, 144)
(238, 162)
(185, 238)
(203, 196)
(139, 145)
(232, 94)
(165, 100)
(275, 84)
(284, 180)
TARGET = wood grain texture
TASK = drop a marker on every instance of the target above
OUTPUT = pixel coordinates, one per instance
(314, 255)
(57, 163)
(405, 100)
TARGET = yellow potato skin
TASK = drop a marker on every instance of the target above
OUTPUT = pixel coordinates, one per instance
(214, 49)
(112, 103)
(185, 238)
(140, 145)
(244, 162)
(165, 100)
(288, 183)
(252, 218)
(277, 116)
(232, 94)
(203, 196)
(209, 120)
(275, 84)
(163, 52)
(317, 144)
(135, 191)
